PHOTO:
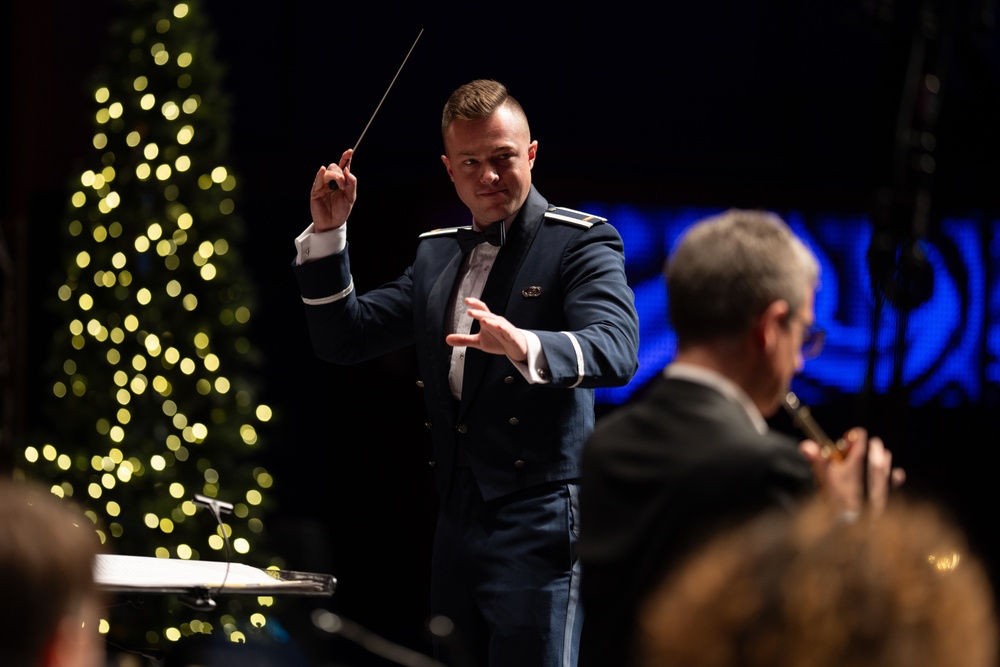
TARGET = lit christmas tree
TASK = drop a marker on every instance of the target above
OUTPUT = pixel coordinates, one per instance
(151, 367)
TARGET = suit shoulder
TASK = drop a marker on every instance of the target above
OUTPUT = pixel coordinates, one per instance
(573, 217)
(441, 232)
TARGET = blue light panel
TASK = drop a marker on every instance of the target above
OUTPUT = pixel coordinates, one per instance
(951, 341)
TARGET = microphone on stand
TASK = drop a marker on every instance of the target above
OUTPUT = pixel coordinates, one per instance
(201, 599)
(217, 506)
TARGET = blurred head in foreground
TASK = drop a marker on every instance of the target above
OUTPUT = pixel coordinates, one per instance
(49, 603)
(814, 590)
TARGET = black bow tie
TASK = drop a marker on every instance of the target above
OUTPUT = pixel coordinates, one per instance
(495, 234)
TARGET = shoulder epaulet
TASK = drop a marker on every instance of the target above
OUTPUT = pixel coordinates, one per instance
(578, 218)
(442, 231)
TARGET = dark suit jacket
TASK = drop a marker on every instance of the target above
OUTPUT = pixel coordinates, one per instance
(561, 274)
(659, 476)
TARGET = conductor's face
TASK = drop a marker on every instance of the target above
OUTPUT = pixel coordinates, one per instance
(490, 162)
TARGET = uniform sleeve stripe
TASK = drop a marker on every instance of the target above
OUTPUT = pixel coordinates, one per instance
(330, 299)
(579, 358)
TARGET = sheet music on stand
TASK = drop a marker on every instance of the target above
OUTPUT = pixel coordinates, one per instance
(140, 574)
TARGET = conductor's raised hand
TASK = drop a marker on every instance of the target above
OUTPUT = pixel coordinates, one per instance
(331, 207)
(496, 334)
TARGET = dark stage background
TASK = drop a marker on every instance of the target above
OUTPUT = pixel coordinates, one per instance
(754, 103)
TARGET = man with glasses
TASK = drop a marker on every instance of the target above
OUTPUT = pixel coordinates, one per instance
(694, 453)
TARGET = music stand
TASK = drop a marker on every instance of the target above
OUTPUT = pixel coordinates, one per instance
(197, 580)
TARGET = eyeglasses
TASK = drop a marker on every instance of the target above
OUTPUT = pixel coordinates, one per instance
(813, 337)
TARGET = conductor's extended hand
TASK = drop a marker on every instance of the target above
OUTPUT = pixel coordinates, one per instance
(496, 335)
(330, 208)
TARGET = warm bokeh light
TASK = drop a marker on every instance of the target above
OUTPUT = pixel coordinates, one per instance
(152, 338)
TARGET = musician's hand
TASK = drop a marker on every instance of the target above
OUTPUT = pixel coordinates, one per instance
(496, 334)
(879, 475)
(844, 482)
(841, 482)
(330, 208)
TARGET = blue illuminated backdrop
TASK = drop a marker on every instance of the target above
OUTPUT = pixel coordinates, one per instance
(944, 351)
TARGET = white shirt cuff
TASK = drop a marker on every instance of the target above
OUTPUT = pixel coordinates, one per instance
(535, 368)
(311, 245)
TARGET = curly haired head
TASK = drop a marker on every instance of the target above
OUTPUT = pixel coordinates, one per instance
(815, 591)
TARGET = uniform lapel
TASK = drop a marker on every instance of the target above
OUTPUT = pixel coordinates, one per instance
(438, 325)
